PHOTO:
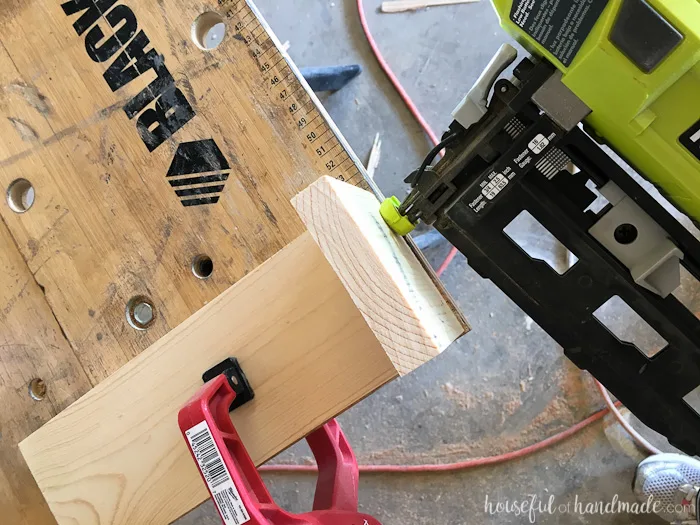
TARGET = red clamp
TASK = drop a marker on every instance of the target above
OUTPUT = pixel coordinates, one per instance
(234, 482)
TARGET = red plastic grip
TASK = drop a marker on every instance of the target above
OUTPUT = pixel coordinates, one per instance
(234, 482)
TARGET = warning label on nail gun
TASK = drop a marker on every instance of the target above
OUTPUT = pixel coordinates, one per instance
(560, 26)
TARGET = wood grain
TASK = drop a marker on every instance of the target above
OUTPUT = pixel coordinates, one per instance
(31, 347)
(397, 298)
(107, 225)
(116, 457)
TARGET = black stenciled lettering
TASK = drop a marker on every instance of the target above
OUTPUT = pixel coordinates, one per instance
(94, 9)
(131, 62)
(171, 113)
(105, 51)
(164, 82)
(169, 109)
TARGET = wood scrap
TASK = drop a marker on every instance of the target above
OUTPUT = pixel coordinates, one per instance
(400, 6)
(346, 223)
(375, 155)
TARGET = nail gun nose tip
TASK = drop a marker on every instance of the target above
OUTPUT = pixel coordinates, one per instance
(400, 224)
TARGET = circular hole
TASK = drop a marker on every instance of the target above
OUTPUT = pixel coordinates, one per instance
(37, 389)
(234, 380)
(202, 267)
(20, 195)
(140, 312)
(208, 30)
(626, 233)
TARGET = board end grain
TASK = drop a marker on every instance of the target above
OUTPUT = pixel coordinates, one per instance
(390, 287)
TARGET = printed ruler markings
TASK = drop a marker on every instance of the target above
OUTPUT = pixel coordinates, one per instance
(285, 89)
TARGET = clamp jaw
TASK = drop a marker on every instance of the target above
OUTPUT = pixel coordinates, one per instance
(234, 482)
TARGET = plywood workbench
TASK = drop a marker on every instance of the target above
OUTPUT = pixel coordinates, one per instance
(138, 169)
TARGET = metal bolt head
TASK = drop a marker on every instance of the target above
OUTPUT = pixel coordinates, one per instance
(143, 313)
(140, 312)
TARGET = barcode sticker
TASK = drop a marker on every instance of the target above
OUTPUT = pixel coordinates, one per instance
(212, 466)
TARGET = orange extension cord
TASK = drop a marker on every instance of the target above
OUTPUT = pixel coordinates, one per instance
(461, 465)
(476, 462)
(409, 104)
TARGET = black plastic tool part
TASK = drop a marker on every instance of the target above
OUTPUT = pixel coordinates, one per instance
(236, 378)
(653, 388)
(643, 35)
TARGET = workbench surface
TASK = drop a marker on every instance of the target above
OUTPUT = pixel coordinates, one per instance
(138, 171)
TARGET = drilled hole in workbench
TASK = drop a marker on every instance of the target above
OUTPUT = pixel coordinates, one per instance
(20, 195)
(202, 267)
(37, 389)
(208, 31)
(140, 312)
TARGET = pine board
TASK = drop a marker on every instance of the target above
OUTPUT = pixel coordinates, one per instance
(310, 348)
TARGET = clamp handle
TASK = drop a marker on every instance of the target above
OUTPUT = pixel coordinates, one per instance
(235, 483)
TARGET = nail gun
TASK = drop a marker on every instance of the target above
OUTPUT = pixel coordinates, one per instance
(624, 74)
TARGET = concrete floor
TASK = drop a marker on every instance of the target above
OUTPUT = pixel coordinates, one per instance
(506, 384)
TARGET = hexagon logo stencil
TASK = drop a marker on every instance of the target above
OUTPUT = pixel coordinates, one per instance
(198, 172)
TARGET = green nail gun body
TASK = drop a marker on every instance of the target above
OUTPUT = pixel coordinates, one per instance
(619, 73)
(637, 67)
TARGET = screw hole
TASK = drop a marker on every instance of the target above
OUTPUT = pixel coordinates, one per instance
(208, 31)
(202, 267)
(140, 312)
(626, 234)
(20, 195)
(234, 380)
(37, 389)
